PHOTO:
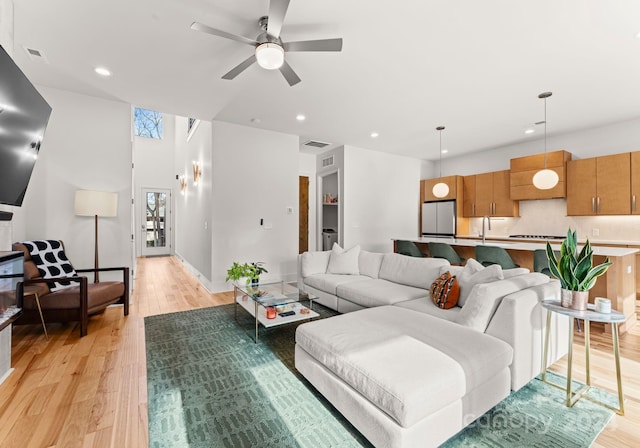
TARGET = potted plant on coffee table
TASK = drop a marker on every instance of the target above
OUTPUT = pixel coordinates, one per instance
(575, 270)
(240, 273)
(246, 273)
(257, 268)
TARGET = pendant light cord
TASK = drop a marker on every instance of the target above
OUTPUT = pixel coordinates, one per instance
(440, 132)
(545, 133)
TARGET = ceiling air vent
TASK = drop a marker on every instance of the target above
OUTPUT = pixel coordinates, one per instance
(327, 161)
(315, 144)
(36, 55)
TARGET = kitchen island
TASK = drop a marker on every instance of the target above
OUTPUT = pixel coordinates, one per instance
(618, 284)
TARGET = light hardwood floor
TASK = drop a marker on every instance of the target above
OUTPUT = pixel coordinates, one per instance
(91, 392)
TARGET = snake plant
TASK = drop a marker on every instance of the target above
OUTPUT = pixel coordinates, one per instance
(575, 270)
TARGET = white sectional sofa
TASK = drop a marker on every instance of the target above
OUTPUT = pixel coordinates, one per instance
(405, 372)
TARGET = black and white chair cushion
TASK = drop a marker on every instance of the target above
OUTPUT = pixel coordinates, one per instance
(51, 261)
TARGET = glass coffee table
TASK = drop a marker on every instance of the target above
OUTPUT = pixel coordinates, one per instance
(273, 304)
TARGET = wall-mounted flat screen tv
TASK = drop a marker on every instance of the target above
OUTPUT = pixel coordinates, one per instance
(24, 115)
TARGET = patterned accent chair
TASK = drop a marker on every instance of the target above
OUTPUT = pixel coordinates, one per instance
(65, 298)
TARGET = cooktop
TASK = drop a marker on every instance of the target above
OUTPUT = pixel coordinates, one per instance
(538, 237)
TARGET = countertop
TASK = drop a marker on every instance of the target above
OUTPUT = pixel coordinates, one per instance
(605, 251)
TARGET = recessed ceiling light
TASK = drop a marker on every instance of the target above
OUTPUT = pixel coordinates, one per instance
(300, 117)
(374, 135)
(444, 151)
(529, 131)
(102, 71)
(638, 35)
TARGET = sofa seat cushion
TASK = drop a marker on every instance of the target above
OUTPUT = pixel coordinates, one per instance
(408, 364)
(330, 282)
(378, 292)
(428, 307)
(411, 271)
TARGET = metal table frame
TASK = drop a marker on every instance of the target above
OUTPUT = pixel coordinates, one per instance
(588, 316)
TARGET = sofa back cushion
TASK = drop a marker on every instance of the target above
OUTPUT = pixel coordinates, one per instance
(485, 298)
(314, 263)
(411, 271)
(343, 261)
(370, 263)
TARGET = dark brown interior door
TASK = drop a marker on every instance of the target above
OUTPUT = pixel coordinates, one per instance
(303, 207)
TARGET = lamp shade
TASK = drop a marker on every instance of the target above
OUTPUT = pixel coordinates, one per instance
(545, 179)
(92, 203)
(440, 190)
(270, 56)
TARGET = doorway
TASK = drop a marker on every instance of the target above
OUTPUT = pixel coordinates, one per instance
(303, 207)
(156, 222)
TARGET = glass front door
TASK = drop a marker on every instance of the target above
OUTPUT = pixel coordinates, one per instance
(156, 223)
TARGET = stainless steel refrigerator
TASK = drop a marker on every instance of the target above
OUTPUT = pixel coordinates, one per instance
(439, 218)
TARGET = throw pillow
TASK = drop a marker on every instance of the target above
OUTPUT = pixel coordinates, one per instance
(51, 261)
(314, 262)
(473, 274)
(445, 291)
(344, 261)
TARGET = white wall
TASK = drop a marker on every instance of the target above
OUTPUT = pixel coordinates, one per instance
(193, 208)
(6, 25)
(308, 168)
(154, 168)
(549, 216)
(87, 146)
(610, 139)
(6, 40)
(255, 176)
(381, 197)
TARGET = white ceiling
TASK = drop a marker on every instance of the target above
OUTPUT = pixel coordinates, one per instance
(406, 66)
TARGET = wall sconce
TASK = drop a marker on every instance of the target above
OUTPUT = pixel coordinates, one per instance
(183, 184)
(197, 172)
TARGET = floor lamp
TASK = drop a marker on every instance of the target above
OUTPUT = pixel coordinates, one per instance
(96, 203)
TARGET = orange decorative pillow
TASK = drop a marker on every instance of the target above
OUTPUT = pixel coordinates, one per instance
(445, 291)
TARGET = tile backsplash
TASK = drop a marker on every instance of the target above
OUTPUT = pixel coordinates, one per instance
(549, 217)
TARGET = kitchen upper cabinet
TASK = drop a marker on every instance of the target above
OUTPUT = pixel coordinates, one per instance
(488, 194)
(524, 168)
(599, 186)
(469, 196)
(427, 188)
(635, 185)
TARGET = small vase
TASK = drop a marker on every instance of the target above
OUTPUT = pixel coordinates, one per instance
(579, 300)
(566, 297)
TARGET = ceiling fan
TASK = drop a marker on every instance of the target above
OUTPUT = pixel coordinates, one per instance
(269, 48)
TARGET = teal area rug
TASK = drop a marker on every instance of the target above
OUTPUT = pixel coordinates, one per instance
(209, 385)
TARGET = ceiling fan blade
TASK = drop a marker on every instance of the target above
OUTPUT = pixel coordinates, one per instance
(277, 11)
(314, 45)
(235, 71)
(289, 74)
(207, 29)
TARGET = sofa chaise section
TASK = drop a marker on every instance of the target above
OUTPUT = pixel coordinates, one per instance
(404, 378)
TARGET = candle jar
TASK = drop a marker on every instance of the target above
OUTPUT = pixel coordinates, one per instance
(271, 312)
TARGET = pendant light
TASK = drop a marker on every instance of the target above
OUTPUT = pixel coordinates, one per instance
(545, 179)
(440, 189)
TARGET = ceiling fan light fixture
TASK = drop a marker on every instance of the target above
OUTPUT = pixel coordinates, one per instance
(270, 56)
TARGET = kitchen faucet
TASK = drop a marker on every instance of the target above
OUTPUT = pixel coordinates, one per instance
(483, 232)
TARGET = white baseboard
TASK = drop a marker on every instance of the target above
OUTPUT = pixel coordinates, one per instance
(204, 281)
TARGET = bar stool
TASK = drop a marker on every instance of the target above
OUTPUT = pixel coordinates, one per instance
(408, 248)
(488, 255)
(444, 250)
(541, 262)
